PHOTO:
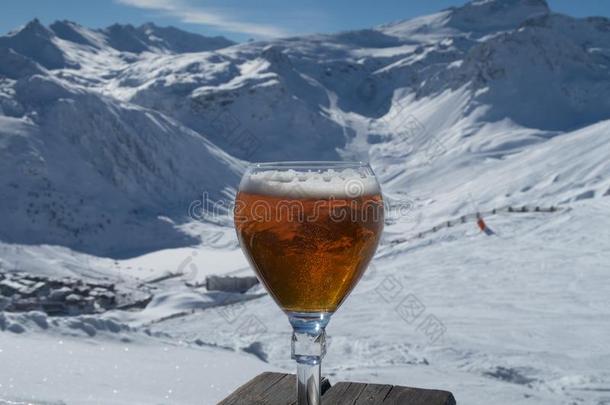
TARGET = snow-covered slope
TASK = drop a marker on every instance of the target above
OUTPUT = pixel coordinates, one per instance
(522, 317)
(87, 171)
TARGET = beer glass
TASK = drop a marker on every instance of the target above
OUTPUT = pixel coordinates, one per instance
(309, 230)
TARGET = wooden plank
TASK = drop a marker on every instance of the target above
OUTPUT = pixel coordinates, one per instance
(416, 396)
(251, 392)
(343, 393)
(269, 389)
(280, 389)
(283, 392)
(373, 394)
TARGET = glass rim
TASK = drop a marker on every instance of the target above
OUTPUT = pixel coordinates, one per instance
(309, 164)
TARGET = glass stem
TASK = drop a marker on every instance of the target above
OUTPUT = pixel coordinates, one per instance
(308, 383)
(308, 349)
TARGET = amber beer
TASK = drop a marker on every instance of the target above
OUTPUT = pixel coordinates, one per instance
(309, 252)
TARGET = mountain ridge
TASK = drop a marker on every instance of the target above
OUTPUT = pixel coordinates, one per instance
(426, 97)
(121, 37)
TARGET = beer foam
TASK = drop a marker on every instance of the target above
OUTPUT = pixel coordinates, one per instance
(344, 183)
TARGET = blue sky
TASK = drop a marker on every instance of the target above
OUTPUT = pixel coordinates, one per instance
(244, 19)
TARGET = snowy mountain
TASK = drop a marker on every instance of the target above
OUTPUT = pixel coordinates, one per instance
(151, 38)
(146, 114)
(107, 136)
(510, 57)
(489, 81)
(86, 170)
(472, 89)
(37, 43)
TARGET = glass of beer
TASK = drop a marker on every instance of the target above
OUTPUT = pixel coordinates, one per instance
(309, 230)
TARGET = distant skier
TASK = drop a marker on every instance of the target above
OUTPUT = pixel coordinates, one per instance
(483, 226)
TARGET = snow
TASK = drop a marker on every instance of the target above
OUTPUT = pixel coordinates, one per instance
(540, 341)
(91, 372)
(85, 156)
(121, 152)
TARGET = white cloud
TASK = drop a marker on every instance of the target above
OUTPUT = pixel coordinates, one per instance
(198, 15)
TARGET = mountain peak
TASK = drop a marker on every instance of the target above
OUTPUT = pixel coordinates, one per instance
(73, 32)
(148, 25)
(35, 22)
(33, 28)
(181, 41)
(151, 37)
(476, 18)
(35, 41)
(512, 3)
(495, 15)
